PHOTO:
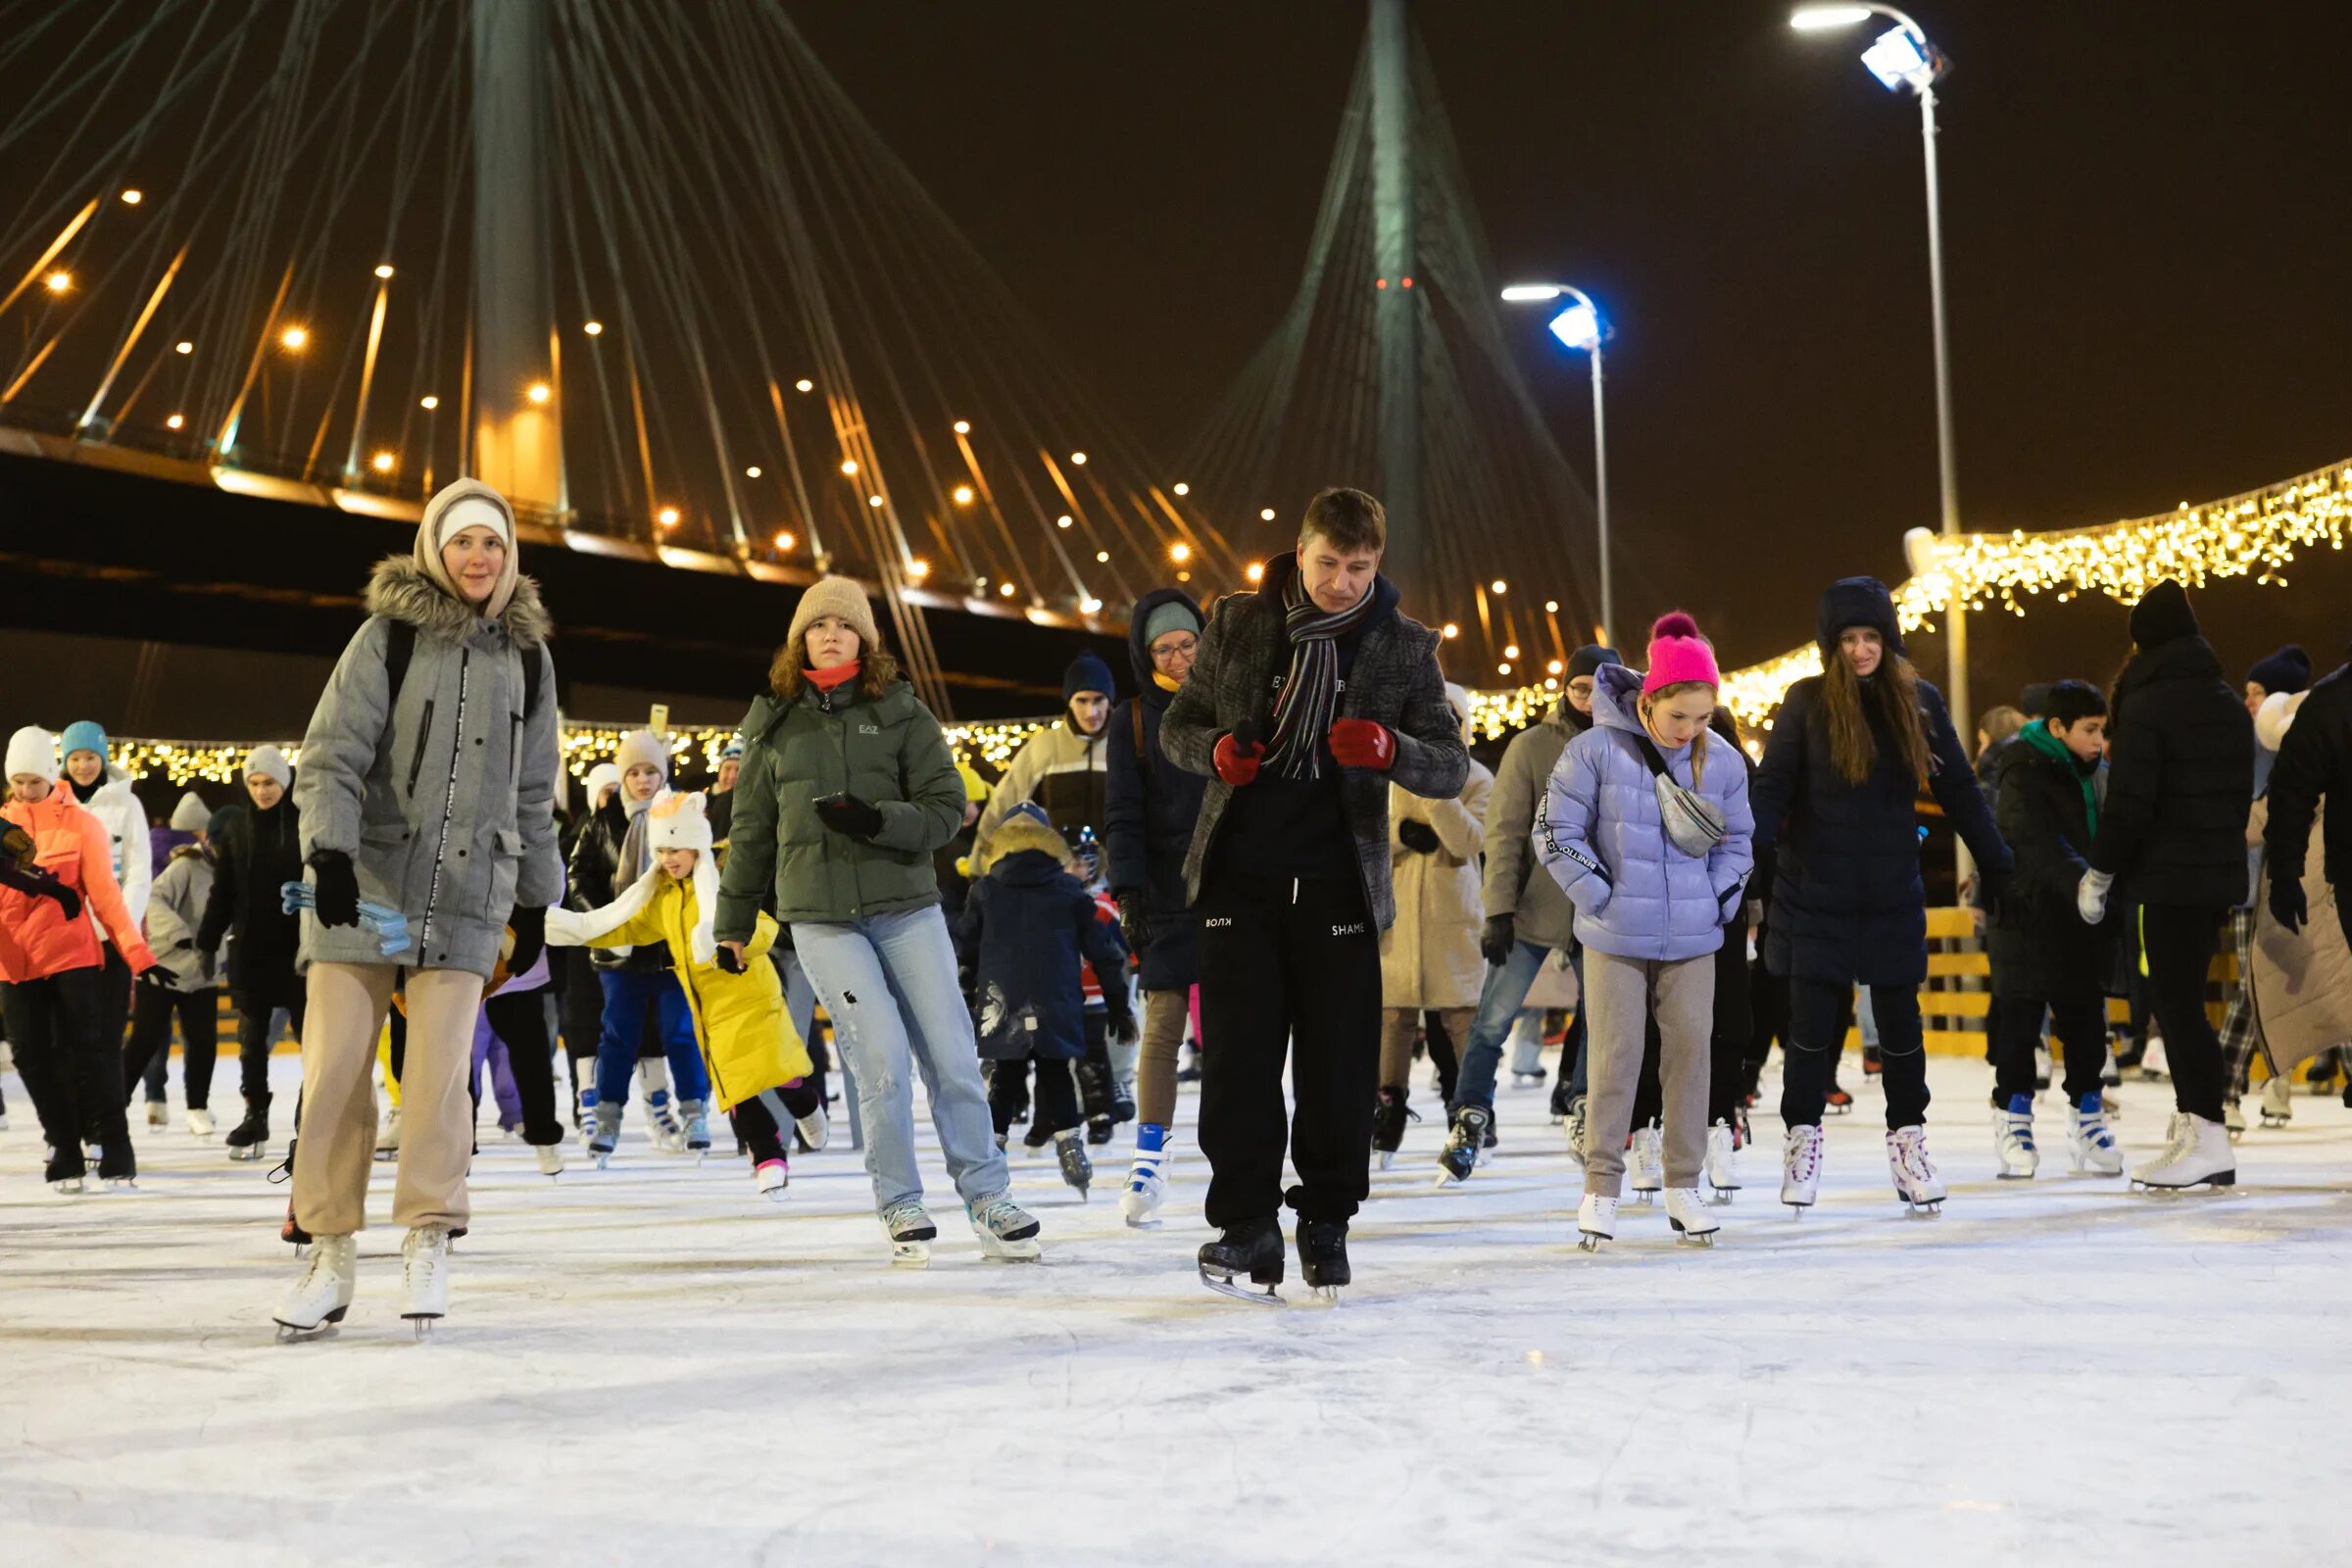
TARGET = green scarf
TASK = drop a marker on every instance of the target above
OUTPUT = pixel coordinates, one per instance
(2039, 736)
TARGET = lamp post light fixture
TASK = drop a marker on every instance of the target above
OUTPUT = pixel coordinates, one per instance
(1580, 326)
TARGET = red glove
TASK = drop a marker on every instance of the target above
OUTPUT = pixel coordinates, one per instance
(1236, 762)
(1361, 742)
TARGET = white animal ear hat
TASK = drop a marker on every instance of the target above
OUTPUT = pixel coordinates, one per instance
(672, 822)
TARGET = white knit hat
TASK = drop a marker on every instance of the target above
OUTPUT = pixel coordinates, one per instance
(191, 814)
(675, 821)
(602, 777)
(639, 747)
(32, 749)
(267, 758)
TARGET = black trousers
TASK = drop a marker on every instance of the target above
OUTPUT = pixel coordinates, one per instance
(72, 1070)
(150, 1044)
(256, 1000)
(113, 1016)
(758, 1125)
(2014, 1027)
(2180, 942)
(520, 1018)
(1057, 1094)
(1288, 967)
(1817, 1035)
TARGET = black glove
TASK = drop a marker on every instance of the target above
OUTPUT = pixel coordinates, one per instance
(2288, 904)
(1501, 937)
(66, 898)
(731, 962)
(169, 979)
(1124, 1030)
(1134, 925)
(529, 926)
(846, 813)
(209, 961)
(1416, 834)
(335, 886)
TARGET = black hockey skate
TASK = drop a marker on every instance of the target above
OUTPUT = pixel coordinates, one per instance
(1323, 1258)
(1388, 1124)
(247, 1139)
(1462, 1144)
(1098, 1092)
(1251, 1247)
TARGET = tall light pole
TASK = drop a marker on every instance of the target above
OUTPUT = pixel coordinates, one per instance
(1580, 326)
(1903, 57)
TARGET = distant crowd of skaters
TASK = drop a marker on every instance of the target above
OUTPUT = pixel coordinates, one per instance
(1280, 847)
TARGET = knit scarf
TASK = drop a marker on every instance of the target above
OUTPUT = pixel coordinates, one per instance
(825, 680)
(2039, 736)
(1310, 693)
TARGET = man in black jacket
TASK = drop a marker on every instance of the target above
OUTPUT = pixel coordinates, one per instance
(1307, 700)
(2172, 832)
(2046, 801)
(258, 854)
(2315, 761)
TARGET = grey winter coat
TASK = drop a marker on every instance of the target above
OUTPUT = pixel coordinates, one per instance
(174, 910)
(1394, 682)
(1540, 911)
(444, 800)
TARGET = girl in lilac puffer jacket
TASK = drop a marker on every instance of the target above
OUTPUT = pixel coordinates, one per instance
(1650, 915)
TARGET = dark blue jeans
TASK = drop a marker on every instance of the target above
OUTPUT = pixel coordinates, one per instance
(1500, 999)
(627, 994)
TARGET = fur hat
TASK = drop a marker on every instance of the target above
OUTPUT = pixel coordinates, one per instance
(191, 814)
(84, 735)
(32, 749)
(602, 777)
(1679, 654)
(461, 505)
(2287, 670)
(1025, 828)
(835, 596)
(267, 758)
(641, 748)
(2163, 615)
(1856, 602)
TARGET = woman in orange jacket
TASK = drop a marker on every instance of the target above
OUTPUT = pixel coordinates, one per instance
(54, 966)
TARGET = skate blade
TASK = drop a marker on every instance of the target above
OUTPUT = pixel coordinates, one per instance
(121, 1184)
(2018, 1175)
(1924, 1210)
(387, 1157)
(1447, 1178)
(1326, 1294)
(909, 1254)
(1683, 1238)
(294, 1333)
(1143, 1222)
(1722, 1194)
(1225, 1285)
(1388, 1158)
(424, 1324)
(246, 1151)
(1645, 1196)
(1796, 1208)
(1590, 1240)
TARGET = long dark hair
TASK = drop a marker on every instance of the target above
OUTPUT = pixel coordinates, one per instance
(1848, 701)
(788, 675)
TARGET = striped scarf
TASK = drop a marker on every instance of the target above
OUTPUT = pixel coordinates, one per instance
(1310, 693)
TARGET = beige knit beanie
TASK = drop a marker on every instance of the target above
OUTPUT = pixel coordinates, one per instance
(835, 596)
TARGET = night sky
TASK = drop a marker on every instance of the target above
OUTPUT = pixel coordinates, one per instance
(2145, 219)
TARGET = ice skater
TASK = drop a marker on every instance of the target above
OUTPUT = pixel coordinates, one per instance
(427, 789)
(1646, 825)
(1310, 697)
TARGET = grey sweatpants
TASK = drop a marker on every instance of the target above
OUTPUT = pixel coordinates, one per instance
(1621, 993)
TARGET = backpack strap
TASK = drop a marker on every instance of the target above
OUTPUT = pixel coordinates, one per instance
(400, 646)
(1136, 709)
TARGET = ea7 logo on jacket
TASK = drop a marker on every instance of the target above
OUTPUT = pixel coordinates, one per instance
(869, 730)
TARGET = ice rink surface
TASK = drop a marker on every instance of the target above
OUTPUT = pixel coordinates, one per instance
(651, 1365)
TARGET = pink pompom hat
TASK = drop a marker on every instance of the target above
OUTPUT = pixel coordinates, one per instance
(1679, 654)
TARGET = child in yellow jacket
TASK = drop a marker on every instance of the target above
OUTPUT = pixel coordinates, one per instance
(757, 1063)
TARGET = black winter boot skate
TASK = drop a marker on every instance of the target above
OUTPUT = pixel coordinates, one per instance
(1098, 1094)
(1463, 1143)
(1323, 1256)
(246, 1140)
(1251, 1247)
(1387, 1123)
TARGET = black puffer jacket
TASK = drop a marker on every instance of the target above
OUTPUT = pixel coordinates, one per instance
(2314, 761)
(590, 878)
(1151, 807)
(1847, 901)
(258, 854)
(2041, 950)
(2180, 781)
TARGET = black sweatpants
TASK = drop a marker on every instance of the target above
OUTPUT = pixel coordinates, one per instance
(1816, 1037)
(254, 1010)
(1287, 963)
(151, 1016)
(520, 1018)
(2016, 1029)
(2180, 942)
(114, 1018)
(1057, 1094)
(72, 1070)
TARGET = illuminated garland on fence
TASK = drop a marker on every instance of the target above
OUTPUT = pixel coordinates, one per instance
(2256, 534)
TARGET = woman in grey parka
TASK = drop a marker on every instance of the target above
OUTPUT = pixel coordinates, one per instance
(426, 786)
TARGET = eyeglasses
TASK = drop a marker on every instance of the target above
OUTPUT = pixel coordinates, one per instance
(1168, 648)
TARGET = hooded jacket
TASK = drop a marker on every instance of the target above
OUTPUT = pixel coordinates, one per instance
(1540, 911)
(2315, 761)
(36, 939)
(1601, 837)
(1060, 770)
(118, 809)
(1847, 903)
(1149, 808)
(2180, 782)
(445, 798)
(1393, 681)
(886, 750)
(2040, 947)
(175, 913)
(1024, 930)
(1429, 957)
(747, 1040)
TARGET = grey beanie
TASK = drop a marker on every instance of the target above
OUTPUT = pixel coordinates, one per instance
(1174, 615)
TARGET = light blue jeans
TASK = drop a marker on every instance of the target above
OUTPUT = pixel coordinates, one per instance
(888, 983)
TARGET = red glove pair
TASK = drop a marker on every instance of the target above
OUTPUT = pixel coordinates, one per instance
(1362, 743)
(1236, 761)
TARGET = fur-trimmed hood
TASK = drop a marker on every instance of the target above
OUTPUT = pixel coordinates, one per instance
(400, 590)
(1022, 831)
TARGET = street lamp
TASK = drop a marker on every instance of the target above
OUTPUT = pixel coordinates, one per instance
(1580, 326)
(1903, 57)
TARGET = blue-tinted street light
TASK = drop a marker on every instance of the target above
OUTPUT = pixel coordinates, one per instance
(1580, 326)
